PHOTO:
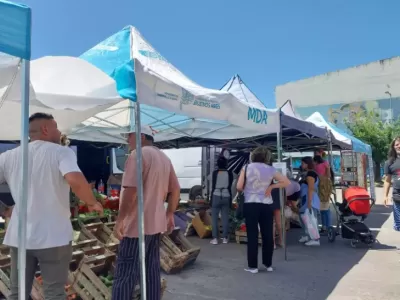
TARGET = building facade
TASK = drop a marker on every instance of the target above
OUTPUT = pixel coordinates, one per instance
(370, 87)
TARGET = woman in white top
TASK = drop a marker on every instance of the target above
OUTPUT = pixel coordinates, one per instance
(257, 209)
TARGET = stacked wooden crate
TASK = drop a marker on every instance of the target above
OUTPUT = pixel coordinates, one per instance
(37, 290)
(102, 233)
(94, 279)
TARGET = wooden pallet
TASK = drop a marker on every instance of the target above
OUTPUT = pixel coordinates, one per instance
(88, 284)
(176, 252)
(241, 237)
(104, 234)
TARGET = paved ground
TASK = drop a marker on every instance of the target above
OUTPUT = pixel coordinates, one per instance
(332, 271)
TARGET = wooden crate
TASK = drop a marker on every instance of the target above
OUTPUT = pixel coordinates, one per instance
(86, 240)
(176, 252)
(5, 272)
(37, 290)
(104, 234)
(241, 237)
(88, 284)
(110, 225)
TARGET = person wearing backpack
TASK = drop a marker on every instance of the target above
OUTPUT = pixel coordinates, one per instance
(324, 190)
(221, 192)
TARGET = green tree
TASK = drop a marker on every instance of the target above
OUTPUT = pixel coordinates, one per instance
(369, 128)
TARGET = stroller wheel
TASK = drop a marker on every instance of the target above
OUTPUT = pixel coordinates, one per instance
(371, 240)
(331, 234)
(354, 243)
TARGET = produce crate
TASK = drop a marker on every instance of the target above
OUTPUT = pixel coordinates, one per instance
(85, 240)
(93, 280)
(176, 252)
(37, 291)
(104, 234)
(241, 237)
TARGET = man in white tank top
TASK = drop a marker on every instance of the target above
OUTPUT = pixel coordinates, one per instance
(52, 170)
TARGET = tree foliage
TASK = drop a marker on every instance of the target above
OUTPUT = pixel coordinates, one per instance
(369, 128)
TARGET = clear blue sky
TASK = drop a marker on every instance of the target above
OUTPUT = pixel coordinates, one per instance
(266, 42)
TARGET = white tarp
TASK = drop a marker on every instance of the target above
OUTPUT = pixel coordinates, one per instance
(69, 88)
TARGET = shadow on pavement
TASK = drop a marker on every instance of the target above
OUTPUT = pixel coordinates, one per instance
(308, 274)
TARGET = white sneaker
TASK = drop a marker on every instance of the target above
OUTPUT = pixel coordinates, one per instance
(303, 239)
(269, 269)
(251, 270)
(214, 242)
(225, 241)
(312, 243)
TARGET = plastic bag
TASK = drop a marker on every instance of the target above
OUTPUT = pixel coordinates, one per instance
(310, 223)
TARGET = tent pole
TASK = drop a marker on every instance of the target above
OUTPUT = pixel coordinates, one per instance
(371, 176)
(281, 191)
(22, 210)
(330, 154)
(139, 174)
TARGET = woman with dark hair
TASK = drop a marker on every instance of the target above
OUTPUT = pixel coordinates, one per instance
(221, 191)
(255, 181)
(309, 197)
(392, 177)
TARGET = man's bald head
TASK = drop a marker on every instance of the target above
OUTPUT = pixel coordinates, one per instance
(43, 127)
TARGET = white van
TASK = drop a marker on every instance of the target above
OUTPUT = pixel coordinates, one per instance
(186, 162)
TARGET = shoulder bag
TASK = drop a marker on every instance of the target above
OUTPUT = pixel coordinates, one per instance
(240, 199)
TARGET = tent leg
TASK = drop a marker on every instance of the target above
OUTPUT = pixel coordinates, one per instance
(142, 253)
(281, 196)
(22, 208)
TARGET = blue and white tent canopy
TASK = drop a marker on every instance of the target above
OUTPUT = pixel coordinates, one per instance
(172, 104)
(341, 135)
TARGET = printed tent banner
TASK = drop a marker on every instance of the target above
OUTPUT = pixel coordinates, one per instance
(143, 74)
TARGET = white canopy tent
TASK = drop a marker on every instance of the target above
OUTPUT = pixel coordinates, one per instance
(69, 88)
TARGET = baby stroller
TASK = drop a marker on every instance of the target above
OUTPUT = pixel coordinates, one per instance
(351, 215)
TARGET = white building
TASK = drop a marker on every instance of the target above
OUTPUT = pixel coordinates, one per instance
(374, 86)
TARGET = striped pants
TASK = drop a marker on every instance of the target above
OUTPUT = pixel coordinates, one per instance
(128, 268)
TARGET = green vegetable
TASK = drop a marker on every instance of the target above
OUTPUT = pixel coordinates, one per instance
(108, 283)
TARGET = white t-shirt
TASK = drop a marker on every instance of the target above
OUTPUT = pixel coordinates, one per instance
(48, 217)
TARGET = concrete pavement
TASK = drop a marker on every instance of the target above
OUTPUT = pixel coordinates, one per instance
(331, 271)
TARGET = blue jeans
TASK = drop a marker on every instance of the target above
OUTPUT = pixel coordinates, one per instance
(326, 218)
(223, 205)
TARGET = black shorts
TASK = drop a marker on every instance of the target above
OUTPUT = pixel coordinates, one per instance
(294, 197)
